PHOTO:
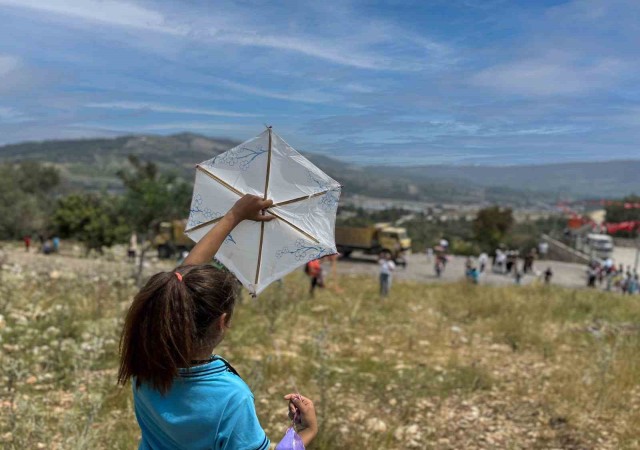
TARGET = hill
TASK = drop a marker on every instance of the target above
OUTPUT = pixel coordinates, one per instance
(93, 164)
(581, 180)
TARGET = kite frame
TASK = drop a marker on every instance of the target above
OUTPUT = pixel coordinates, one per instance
(268, 210)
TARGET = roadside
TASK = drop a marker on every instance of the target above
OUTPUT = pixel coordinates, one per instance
(419, 269)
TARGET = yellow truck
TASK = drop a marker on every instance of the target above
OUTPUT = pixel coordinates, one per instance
(373, 239)
(170, 239)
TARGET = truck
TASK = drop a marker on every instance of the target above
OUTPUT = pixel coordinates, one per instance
(373, 240)
(597, 246)
(170, 240)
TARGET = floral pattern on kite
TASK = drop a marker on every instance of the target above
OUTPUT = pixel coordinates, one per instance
(329, 201)
(199, 215)
(241, 157)
(321, 185)
(304, 251)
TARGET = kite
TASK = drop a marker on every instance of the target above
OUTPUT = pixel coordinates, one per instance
(305, 201)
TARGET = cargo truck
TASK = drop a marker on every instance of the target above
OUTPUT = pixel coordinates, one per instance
(373, 240)
(170, 239)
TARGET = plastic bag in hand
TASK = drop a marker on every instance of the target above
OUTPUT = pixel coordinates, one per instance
(290, 441)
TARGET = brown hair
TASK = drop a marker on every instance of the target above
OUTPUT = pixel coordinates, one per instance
(170, 319)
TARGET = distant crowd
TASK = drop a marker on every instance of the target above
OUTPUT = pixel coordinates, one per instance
(46, 245)
(504, 261)
(606, 275)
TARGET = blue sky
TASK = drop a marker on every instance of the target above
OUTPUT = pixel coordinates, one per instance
(374, 82)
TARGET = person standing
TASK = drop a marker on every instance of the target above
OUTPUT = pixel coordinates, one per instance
(548, 274)
(47, 248)
(510, 261)
(429, 252)
(501, 261)
(314, 270)
(517, 275)
(27, 243)
(591, 277)
(387, 266)
(543, 249)
(56, 244)
(633, 284)
(483, 259)
(133, 247)
(528, 261)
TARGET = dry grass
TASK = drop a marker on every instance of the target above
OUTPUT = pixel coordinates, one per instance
(433, 366)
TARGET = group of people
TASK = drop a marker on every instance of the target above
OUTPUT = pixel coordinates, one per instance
(505, 262)
(316, 273)
(46, 245)
(613, 278)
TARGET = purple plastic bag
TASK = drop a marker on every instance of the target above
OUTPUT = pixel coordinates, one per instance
(290, 441)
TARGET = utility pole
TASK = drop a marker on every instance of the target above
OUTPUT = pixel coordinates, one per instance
(635, 266)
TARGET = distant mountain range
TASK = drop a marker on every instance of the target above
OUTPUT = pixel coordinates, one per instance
(93, 163)
(575, 180)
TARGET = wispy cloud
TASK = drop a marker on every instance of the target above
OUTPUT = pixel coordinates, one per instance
(153, 107)
(11, 115)
(575, 48)
(200, 126)
(108, 12)
(308, 46)
(292, 96)
(338, 49)
(7, 64)
(546, 76)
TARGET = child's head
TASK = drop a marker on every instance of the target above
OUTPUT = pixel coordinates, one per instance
(175, 316)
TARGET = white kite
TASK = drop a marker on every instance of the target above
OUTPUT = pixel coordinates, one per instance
(305, 201)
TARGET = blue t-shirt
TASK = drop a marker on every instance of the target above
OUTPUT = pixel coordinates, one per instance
(207, 407)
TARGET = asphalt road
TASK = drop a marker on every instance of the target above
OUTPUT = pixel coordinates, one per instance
(624, 255)
(419, 269)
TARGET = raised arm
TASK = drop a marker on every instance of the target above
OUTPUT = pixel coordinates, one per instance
(249, 207)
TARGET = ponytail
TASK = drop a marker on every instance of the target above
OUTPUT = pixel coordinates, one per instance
(169, 320)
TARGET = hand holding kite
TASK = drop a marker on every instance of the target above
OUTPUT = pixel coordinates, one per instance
(249, 207)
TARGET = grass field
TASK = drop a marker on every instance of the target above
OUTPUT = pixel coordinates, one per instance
(433, 366)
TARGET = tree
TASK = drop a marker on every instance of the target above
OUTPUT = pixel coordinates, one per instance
(151, 197)
(491, 225)
(27, 200)
(93, 219)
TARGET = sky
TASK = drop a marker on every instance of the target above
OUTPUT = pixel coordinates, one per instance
(398, 82)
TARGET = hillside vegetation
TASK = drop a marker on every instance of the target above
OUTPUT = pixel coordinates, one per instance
(93, 164)
(433, 366)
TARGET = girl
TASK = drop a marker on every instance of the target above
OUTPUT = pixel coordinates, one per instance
(185, 397)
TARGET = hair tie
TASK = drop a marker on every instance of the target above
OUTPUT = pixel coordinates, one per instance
(178, 275)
